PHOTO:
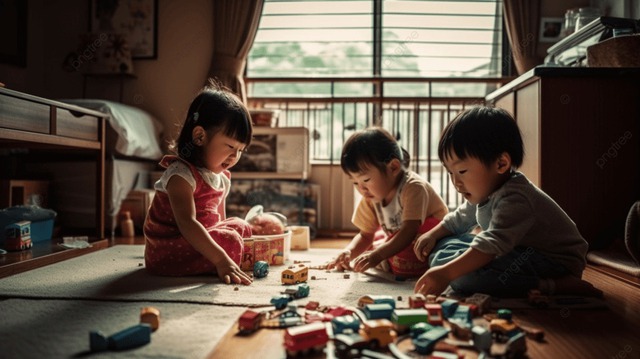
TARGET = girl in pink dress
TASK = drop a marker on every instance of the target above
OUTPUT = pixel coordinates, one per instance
(186, 231)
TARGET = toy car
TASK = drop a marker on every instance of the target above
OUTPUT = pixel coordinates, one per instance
(417, 301)
(419, 328)
(350, 345)
(503, 328)
(379, 332)
(376, 299)
(296, 293)
(249, 321)
(435, 313)
(260, 269)
(17, 236)
(305, 338)
(345, 323)
(280, 301)
(426, 341)
(295, 274)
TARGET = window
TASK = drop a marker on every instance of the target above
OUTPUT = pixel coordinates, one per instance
(364, 38)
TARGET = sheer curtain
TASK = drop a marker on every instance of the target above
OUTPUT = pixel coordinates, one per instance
(235, 23)
(522, 18)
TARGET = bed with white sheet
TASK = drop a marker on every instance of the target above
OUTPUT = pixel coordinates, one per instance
(132, 151)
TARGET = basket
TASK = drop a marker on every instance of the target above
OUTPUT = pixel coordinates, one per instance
(274, 249)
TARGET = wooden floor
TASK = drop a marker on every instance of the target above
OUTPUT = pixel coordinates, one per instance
(570, 333)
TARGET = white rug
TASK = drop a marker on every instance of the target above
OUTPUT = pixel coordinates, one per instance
(118, 274)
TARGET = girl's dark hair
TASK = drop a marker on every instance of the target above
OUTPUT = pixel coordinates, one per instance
(216, 109)
(483, 133)
(373, 146)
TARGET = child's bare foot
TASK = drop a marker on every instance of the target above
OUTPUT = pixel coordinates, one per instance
(573, 285)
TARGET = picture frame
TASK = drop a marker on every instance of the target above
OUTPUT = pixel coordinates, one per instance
(137, 21)
(13, 27)
(551, 29)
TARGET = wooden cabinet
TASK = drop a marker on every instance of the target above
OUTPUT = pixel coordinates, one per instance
(581, 129)
(37, 130)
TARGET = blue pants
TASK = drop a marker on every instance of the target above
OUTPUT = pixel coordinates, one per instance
(510, 275)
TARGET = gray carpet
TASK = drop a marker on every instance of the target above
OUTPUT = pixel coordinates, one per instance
(117, 274)
(48, 312)
(32, 328)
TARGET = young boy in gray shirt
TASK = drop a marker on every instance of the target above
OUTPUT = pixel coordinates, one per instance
(526, 241)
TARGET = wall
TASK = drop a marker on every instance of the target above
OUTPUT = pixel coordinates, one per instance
(164, 86)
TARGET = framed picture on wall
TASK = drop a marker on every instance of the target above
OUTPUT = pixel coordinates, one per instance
(136, 20)
(550, 29)
(13, 32)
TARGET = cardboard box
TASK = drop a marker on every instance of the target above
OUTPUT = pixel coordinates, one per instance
(23, 192)
(274, 249)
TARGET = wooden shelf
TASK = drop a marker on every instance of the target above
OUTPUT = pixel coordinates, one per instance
(42, 254)
(46, 131)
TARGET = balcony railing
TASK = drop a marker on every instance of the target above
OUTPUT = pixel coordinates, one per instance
(338, 106)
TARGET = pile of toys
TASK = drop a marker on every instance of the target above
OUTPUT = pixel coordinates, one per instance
(379, 324)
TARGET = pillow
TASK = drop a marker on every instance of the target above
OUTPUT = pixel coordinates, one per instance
(138, 131)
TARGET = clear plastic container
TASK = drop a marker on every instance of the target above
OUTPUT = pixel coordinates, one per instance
(569, 22)
(586, 15)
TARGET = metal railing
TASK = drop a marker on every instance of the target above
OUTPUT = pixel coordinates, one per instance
(333, 114)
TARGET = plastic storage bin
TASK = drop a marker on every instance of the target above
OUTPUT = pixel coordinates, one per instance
(41, 221)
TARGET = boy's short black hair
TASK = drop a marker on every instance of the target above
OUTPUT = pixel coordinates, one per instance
(483, 133)
(373, 146)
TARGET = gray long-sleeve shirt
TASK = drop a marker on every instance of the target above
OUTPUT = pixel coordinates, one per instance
(520, 214)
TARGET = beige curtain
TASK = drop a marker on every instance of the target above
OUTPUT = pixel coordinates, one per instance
(522, 18)
(235, 23)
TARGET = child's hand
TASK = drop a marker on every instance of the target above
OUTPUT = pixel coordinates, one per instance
(341, 262)
(229, 273)
(434, 281)
(365, 261)
(424, 245)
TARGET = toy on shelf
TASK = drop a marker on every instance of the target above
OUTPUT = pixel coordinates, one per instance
(17, 236)
(295, 274)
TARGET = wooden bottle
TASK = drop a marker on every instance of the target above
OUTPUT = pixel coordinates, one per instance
(126, 225)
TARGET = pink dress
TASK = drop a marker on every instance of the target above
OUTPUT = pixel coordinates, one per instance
(167, 252)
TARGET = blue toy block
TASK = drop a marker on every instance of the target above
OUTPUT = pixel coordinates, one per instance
(132, 337)
(98, 341)
(449, 307)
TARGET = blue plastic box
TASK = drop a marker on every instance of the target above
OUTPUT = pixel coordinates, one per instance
(41, 221)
